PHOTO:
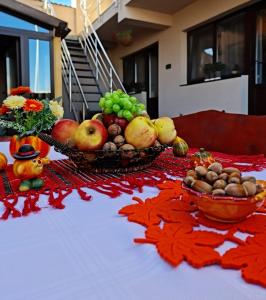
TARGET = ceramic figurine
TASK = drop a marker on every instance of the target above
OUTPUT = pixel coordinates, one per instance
(28, 166)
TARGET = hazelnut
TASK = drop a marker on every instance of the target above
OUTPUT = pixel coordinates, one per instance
(110, 149)
(127, 151)
(230, 170)
(192, 173)
(259, 188)
(250, 188)
(219, 184)
(189, 180)
(119, 140)
(201, 171)
(114, 130)
(216, 167)
(234, 178)
(223, 176)
(248, 178)
(211, 176)
(201, 186)
(218, 192)
(236, 190)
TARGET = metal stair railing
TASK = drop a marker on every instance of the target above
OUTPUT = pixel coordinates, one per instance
(92, 45)
(69, 72)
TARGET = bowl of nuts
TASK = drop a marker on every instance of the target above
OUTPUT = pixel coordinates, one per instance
(223, 194)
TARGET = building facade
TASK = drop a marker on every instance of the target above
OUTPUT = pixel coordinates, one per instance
(181, 56)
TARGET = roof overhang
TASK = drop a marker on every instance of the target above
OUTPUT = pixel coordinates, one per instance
(34, 15)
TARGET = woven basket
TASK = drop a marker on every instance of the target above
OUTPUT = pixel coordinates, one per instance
(100, 161)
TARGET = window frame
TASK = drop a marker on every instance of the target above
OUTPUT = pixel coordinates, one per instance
(214, 24)
(24, 36)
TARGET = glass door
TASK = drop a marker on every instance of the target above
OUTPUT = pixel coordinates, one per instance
(9, 64)
(140, 73)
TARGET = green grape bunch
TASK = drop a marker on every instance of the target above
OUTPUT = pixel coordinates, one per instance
(122, 105)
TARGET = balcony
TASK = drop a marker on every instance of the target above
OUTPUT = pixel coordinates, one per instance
(110, 16)
(166, 6)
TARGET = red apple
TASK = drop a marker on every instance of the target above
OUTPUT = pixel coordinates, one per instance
(121, 122)
(64, 129)
(90, 135)
(108, 119)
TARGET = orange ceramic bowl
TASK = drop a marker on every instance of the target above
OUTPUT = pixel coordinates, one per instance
(227, 209)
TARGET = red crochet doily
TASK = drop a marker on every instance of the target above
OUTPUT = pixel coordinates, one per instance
(61, 178)
(171, 220)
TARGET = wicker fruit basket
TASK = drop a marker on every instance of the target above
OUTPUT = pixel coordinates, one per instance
(100, 161)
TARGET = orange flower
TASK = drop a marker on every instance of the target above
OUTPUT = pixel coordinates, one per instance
(3, 110)
(33, 105)
(20, 90)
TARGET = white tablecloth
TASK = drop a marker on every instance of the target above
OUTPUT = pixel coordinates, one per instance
(86, 251)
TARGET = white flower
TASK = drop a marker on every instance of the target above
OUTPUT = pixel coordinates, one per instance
(56, 109)
(14, 102)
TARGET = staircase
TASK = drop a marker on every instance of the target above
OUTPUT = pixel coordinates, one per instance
(87, 80)
(86, 68)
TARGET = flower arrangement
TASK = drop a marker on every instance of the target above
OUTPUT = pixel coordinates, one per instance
(28, 116)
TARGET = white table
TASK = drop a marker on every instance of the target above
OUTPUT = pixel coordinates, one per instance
(86, 251)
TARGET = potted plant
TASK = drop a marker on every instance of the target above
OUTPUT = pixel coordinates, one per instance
(236, 69)
(125, 37)
(208, 71)
(218, 68)
(28, 117)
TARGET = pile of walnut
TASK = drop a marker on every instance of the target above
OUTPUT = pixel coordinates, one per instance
(220, 181)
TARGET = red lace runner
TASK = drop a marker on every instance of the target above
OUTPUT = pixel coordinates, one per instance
(172, 225)
(61, 178)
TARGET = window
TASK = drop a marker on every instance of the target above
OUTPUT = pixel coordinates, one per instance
(201, 51)
(39, 66)
(7, 20)
(231, 44)
(216, 47)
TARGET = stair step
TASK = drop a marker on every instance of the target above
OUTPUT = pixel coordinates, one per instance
(82, 69)
(86, 80)
(89, 93)
(86, 76)
(77, 55)
(74, 42)
(74, 48)
(80, 62)
(86, 84)
(78, 101)
(92, 89)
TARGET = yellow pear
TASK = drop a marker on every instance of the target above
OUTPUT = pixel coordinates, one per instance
(166, 130)
(141, 133)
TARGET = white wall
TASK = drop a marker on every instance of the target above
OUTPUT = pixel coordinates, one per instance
(230, 95)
